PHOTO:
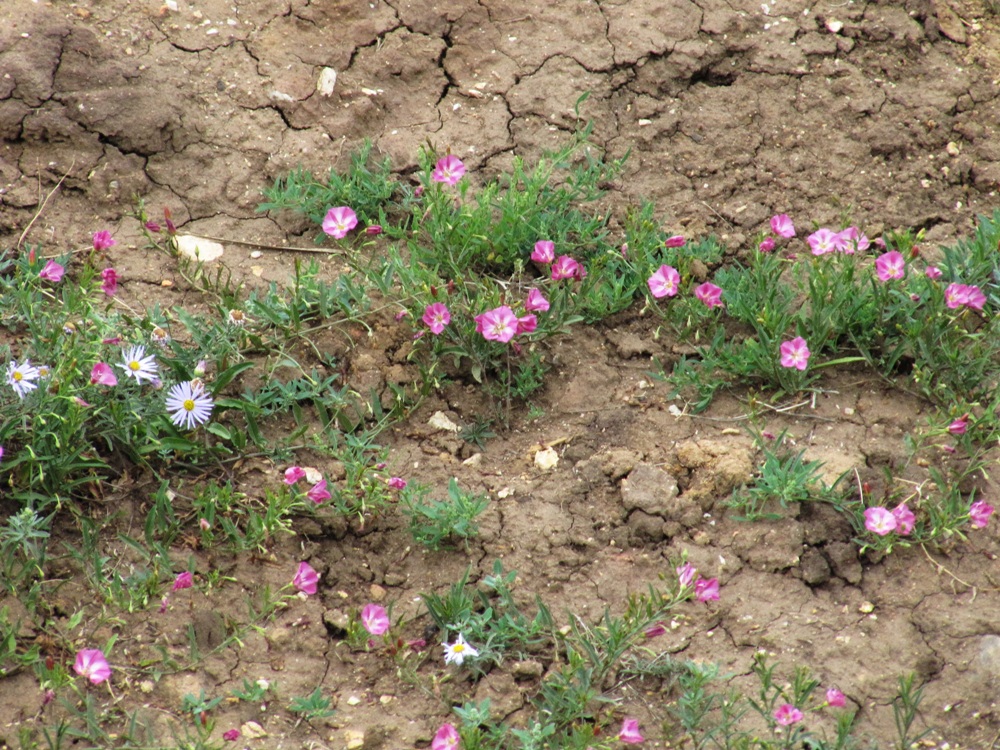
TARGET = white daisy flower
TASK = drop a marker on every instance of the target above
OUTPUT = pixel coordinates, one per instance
(189, 405)
(459, 651)
(137, 365)
(22, 377)
(237, 318)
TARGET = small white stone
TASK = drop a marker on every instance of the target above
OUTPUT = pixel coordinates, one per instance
(199, 249)
(441, 422)
(546, 459)
(834, 27)
(327, 80)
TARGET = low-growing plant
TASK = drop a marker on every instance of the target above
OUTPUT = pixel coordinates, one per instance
(433, 523)
(313, 706)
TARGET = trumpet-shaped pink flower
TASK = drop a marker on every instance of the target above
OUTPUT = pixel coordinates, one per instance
(686, 574)
(880, 521)
(629, 733)
(933, 273)
(306, 579)
(103, 239)
(527, 323)
(449, 170)
(766, 245)
(782, 226)
(706, 589)
(957, 295)
(565, 267)
(339, 221)
(231, 735)
(786, 714)
(102, 374)
(536, 302)
(655, 630)
(979, 514)
(109, 281)
(824, 241)
(396, 483)
(835, 698)
(710, 294)
(293, 474)
(665, 282)
(676, 241)
(375, 619)
(91, 663)
(974, 297)
(446, 738)
(52, 272)
(544, 252)
(183, 580)
(318, 492)
(373, 229)
(499, 324)
(904, 519)
(795, 353)
(436, 317)
(853, 239)
(960, 425)
(890, 265)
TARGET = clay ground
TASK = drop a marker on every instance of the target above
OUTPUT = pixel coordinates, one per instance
(886, 113)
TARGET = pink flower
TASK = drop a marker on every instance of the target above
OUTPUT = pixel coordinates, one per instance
(979, 514)
(686, 574)
(835, 698)
(103, 240)
(448, 170)
(852, 239)
(665, 282)
(823, 241)
(339, 221)
(293, 474)
(795, 353)
(109, 281)
(564, 267)
(787, 714)
(629, 733)
(375, 619)
(933, 272)
(880, 521)
(396, 483)
(890, 265)
(152, 226)
(766, 245)
(527, 324)
(676, 241)
(536, 302)
(318, 492)
(306, 579)
(624, 249)
(204, 524)
(545, 252)
(782, 226)
(231, 735)
(655, 630)
(102, 374)
(710, 294)
(499, 324)
(974, 297)
(90, 663)
(706, 590)
(373, 229)
(956, 295)
(436, 317)
(447, 738)
(904, 519)
(52, 272)
(183, 580)
(959, 426)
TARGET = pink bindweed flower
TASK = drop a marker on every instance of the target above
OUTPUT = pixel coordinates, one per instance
(629, 733)
(339, 221)
(766, 245)
(109, 281)
(499, 324)
(91, 663)
(686, 574)
(306, 579)
(527, 324)
(782, 226)
(956, 295)
(373, 229)
(449, 170)
(624, 250)
(183, 580)
(880, 521)
(676, 241)
(974, 297)
(203, 524)
(786, 714)
(960, 425)
(375, 619)
(823, 241)
(853, 239)
(655, 630)
(231, 735)
(904, 519)
(436, 317)
(102, 374)
(979, 514)
(706, 589)
(103, 239)
(890, 265)
(544, 252)
(446, 738)
(665, 282)
(293, 474)
(52, 272)
(835, 698)
(318, 492)
(536, 302)
(795, 353)
(710, 294)
(933, 273)
(564, 267)
(396, 483)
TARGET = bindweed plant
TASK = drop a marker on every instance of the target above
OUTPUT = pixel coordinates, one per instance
(434, 523)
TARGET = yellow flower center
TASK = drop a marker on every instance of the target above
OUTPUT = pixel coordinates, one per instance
(188, 404)
(17, 376)
(458, 648)
(134, 366)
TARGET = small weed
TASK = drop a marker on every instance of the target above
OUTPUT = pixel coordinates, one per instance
(435, 522)
(313, 706)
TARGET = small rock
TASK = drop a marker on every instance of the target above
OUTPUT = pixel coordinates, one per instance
(327, 80)
(546, 459)
(198, 249)
(353, 700)
(866, 608)
(439, 421)
(377, 593)
(354, 738)
(252, 730)
(528, 669)
(834, 27)
(952, 149)
(815, 569)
